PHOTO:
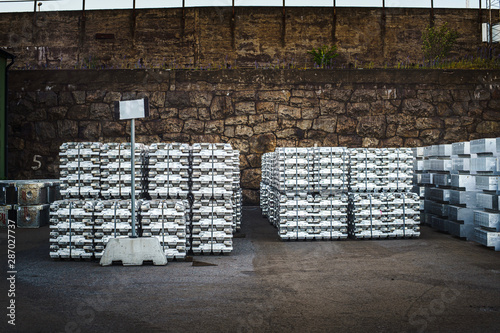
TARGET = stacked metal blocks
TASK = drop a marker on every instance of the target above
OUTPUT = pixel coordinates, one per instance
(72, 229)
(237, 198)
(169, 169)
(212, 189)
(80, 169)
(385, 215)
(80, 229)
(302, 192)
(461, 189)
(189, 197)
(380, 190)
(437, 164)
(167, 221)
(163, 219)
(26, 202)
(333, 193)
(486, 168)
(116, 174)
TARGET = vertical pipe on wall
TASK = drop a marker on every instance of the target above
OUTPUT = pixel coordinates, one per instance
(33, 23)
(283, 26)
(432, 14)
(490, 28)
(183, 18)
(82, 31)
(382, 29)
(334, 22)
(132, 27)
(4, 113)
(233, 27)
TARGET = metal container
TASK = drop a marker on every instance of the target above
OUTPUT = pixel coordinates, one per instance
(29, 192)
(461, 230)
(467, 198)
(487, 238)
(480, 146)
(466, 182)
(438, 194)
(488, 220)
(5, 214)
(460, 148)
(8, 192)
(32, 216)
(487, 200)
(461, 214)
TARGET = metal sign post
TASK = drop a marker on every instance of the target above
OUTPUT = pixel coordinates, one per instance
(134, 250)
(132, 171)
(138, 108)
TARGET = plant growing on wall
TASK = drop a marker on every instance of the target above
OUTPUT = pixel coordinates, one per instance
(324, 55)
(437, 43)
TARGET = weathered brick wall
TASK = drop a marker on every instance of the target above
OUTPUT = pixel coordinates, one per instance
(212, 36)
(254, 110)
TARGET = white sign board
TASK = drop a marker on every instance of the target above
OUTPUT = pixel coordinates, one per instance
(133, 109)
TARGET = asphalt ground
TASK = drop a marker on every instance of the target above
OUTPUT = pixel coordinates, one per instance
(436, 283)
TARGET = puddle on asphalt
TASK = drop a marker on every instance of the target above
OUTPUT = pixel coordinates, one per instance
(202, 263)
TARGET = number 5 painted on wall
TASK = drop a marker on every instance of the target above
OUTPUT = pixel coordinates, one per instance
(38, 164)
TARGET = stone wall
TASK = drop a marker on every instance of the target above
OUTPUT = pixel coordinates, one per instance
(253, 110)
(201, 37)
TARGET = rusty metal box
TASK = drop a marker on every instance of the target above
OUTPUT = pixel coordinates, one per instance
(29, 192)
(33, 216)
(6, 212)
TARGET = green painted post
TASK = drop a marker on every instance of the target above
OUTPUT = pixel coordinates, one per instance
(4, 67)
(3, 117)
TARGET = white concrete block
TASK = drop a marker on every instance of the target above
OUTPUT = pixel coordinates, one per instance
(133, 251)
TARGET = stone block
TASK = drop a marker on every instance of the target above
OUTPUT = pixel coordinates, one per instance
(281, 96)
(264, 107)
(326, 124)
(329, 107)
(289, 112)
(244, 108)
(100, 111)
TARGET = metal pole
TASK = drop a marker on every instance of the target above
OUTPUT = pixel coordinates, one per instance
(432, 13)
(132, 171)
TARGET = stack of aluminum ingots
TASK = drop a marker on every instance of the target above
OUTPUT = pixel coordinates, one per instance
(166, 220)
(168, 170)
(112, 219)
(421, 179)
(236, 198)
(265, 183)
(333, 193)
(72, 219)
(382, 204)
(212, 172)
(195, 188)
(72, 229)
(116, 175)
(304, 191)
(80, 169)
(462, 195)
(438, 164)
(486, 168)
